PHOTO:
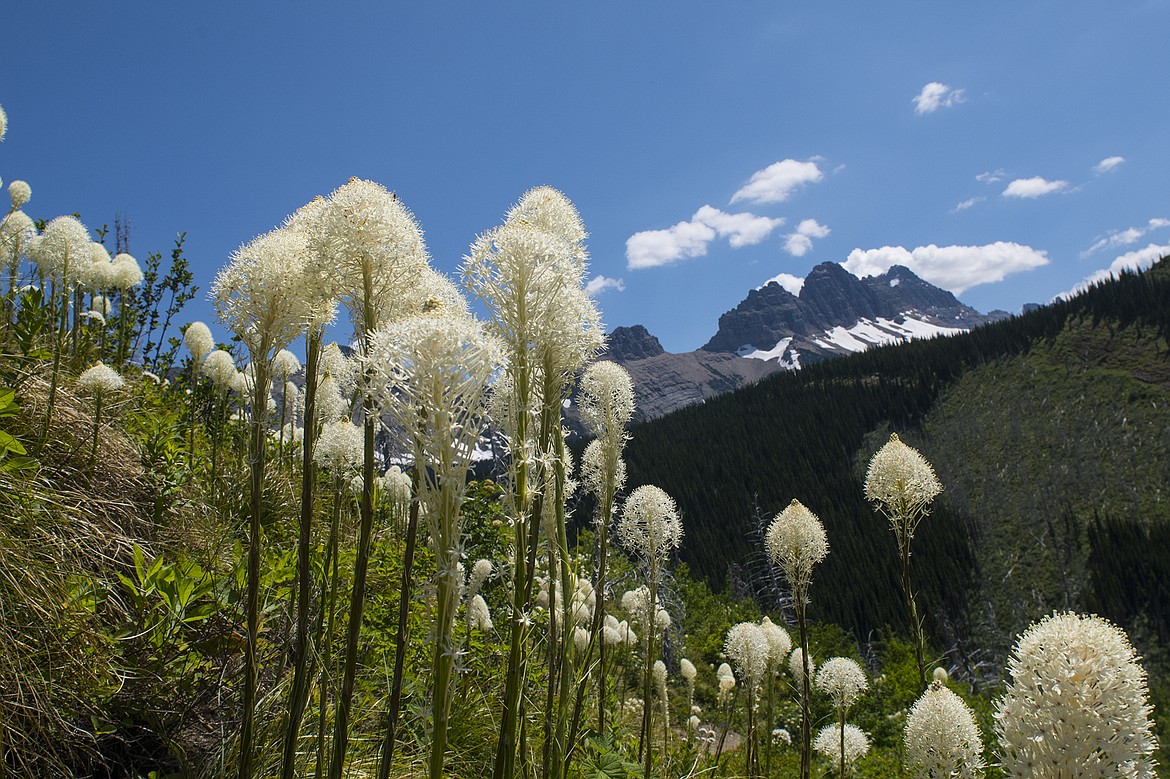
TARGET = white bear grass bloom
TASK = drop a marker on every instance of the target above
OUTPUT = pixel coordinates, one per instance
(831, 738)
(902, 484)
(20, 193)
(941, 737)
(843, 680)
(1076, 706)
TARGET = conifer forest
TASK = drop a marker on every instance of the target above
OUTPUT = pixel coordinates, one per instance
(360, 537)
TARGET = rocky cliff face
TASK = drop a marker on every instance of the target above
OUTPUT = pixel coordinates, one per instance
(627, 344)
(837, 313)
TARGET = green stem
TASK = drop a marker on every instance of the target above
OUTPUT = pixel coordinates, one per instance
(805, 713)
(299, 696)
(325, 639)
(403, 636)
(251, 666)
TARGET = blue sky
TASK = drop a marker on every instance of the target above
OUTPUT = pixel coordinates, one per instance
(684, 131)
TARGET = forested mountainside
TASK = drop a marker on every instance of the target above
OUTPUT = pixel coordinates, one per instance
(1050, 432)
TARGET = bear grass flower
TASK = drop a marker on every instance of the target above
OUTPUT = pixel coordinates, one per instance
(747, 647)
(20, 193)
(902, 484)
(796, 665)
(779, 644)
(126, 273)
(649, 524)
(941, 738)
(606, 400)
(17, 233)
(478, 615)
(220, 367)
(843, 680)
(829, 743)
(339, 447)
(100, 379)
(1077, 703)
(198, 340)
(61, 249)
(796, 542)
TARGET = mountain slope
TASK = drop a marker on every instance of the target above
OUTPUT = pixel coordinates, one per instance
(1049, 431)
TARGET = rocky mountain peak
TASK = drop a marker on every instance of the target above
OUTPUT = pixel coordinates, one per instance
(626, 344)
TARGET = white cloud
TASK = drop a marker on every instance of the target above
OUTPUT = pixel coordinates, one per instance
(650, 248)
(1108, 164)
(1126, 237)
(936, 95)
(956, 268)
(776, 182)
(967, 204)
(599, 284)
(1033, 187)
(991, 176)
(740, 229)
(791, 283)
(1139, 259)
(799, 243)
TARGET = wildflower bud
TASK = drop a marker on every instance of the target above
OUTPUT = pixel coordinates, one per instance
(478, 616)
(940, 675)
(687, 670)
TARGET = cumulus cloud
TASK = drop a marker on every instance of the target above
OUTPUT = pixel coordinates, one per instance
(799, 242)
(599, 284)
(956, 268)
(777, 182)
(650, 248)
(1139, 259)
(791, 283)
(1033, 187)
(1108, 164)
(966, 204)
(936, 95)
(1117, 238)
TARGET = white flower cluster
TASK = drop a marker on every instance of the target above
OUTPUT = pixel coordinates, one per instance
(747, 647)
(796, 667)
(220, 368)
(340, 447)
(902, 484)
(796, 542)
(100, 379)
(843, 680)
(687, 670)
(779, 644)
(478, 616)
(606, 400)
(649, 524)
(17, 234)
(198, 340)
(615, 633)
(20, 193)
(1077, 703)
(828, 743)
(726, 679)
(941, 737)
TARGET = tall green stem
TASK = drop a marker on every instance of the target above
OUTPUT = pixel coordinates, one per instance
(805, 712)
(299, 696)
(325, 639)
(402, 636)
(912, 608)
(256, 462)
(647, 709)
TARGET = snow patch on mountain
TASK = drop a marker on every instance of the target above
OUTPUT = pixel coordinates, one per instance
(856, 338)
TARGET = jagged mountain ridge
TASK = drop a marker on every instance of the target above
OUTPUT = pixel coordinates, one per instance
(836, 313)
(839, 313)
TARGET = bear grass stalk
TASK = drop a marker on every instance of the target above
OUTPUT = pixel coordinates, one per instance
(529, 273)
(796, 543)
(902, 485)
(432, 372)
(259, 297)
(650, 529)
